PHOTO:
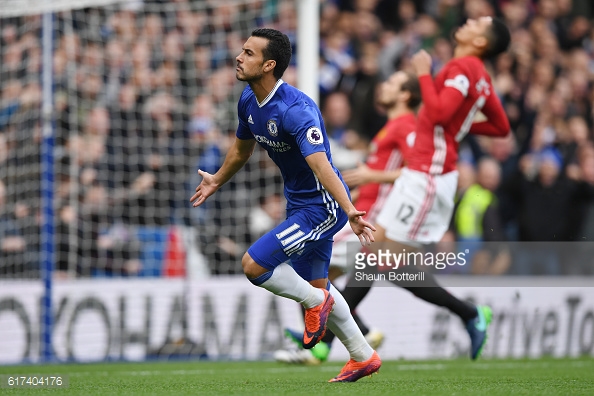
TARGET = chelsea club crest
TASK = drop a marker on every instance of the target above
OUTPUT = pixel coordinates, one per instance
(272, 128)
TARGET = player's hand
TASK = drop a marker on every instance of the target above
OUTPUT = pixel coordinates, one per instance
(207, 187)
(356, 177)
(421, 62)
(361, 227)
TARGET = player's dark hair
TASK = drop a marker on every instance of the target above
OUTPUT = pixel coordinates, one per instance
(412, 86)
(498, 37)
(278, 49)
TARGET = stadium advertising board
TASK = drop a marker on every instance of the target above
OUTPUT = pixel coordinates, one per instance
(229, 318)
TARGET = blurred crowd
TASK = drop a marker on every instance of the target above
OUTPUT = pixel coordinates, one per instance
(145, 94)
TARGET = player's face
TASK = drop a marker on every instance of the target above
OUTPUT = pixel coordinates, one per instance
(391, 88)
(472, 29)
(250, 61)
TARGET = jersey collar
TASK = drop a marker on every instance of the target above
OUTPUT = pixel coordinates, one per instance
(271, 94)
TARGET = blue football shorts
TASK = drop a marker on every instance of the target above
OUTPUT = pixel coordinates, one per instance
(305, 238)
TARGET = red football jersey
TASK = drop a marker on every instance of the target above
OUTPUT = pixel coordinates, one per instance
(388, 151)
(450, 103)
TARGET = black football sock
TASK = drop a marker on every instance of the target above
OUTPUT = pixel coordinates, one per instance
(354, 295)
(437, 295)
(328, 337)
(362, 326)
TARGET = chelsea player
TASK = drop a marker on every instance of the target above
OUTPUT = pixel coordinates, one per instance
(288, 124)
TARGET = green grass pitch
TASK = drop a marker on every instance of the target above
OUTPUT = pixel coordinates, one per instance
(450, 377)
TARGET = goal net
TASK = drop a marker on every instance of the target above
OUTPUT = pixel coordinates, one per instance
(144, 94)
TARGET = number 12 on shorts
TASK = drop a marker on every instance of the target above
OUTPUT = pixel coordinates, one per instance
(404, 213)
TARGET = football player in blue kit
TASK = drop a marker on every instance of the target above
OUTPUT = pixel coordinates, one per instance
(288, 124)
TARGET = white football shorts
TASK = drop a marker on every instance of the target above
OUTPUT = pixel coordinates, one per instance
(419, 208)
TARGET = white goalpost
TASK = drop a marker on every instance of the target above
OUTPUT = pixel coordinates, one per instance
(308, 37)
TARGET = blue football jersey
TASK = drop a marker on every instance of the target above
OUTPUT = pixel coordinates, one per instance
(289, 125)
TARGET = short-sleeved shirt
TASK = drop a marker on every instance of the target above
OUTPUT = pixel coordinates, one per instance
(289, 126)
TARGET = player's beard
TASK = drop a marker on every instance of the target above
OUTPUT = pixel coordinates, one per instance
(386, 104)
(248, 78)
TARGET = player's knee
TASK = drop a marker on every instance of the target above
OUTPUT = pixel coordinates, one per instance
(251, 269)
(246, 262)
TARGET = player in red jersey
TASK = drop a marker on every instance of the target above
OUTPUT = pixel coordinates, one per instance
(419, 207)
(420, 213)
(459, 91)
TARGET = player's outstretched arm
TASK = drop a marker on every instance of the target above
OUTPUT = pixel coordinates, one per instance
(332, 183)
(239, 153)
(362, 174)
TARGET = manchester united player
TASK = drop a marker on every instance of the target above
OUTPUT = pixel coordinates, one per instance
(419, 207)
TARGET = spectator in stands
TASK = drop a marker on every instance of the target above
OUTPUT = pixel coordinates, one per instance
(20, 170)
(581, 172)
(286, 23)
(348, 147)
(164, 152)
(168, 74)
(12, 241)
(338, 61)
(119, 252)
(200, 67)
(9, 102)
(68, 256)
(142, 75)
(366, 116)
(477, 224)
(267, 215)
(545, 196)
(116, 69)
(12, 61)
(579, 260)
(207, 143)
(336, 112)
(223, 225)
